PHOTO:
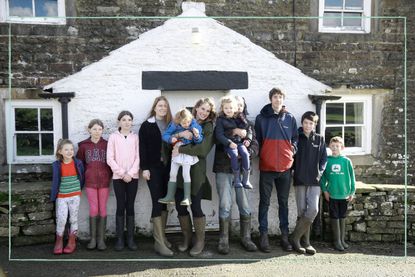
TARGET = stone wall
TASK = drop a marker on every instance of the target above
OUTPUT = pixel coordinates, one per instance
(43, 54)
(377, 214)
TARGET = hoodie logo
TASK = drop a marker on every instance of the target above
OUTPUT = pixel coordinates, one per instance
(336, 168)
(95, 155)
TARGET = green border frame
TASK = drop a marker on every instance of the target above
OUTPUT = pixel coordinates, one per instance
(218, 17)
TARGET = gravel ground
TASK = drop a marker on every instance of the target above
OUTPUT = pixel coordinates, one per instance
(364, 259)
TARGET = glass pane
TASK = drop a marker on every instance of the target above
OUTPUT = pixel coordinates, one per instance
(353, 136)
(352, 19)
(46, 7)
(333, 4)
(27, 144)
(25, 119)
(332, 132)
(334, 113)
(20, 8)
(47, 144)
(332, 19)
(46, 120)
(354, 113)
(354, 5)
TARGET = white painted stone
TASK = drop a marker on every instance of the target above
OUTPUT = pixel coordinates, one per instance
(112, 84)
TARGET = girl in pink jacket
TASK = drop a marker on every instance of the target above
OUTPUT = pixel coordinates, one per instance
(123, 158)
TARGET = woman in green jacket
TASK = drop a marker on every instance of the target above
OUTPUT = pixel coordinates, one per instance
(204, 112)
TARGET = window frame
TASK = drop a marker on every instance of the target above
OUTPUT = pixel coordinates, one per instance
(366, 126)
(59, 20)
(12, 157)
(365, 28)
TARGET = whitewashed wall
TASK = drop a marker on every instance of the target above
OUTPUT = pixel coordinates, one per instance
(113, 84)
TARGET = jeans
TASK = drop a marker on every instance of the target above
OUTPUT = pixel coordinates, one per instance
(281, 180)
(307, 199)
(224, 187)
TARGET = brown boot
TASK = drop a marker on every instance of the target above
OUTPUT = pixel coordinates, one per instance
(199, 224)
(158, 231)
(186, 226)
(264, 242)
(223, 246)
(164, 221)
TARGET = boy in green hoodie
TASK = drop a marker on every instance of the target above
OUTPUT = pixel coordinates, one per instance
(338, 186)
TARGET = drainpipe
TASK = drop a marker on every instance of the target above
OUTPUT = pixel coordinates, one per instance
(318, 100)
(64, 98)
(295, 36)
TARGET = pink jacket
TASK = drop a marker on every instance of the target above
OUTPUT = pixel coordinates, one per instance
(122, 155)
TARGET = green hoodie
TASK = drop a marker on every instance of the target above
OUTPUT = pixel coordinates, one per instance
(338, 178)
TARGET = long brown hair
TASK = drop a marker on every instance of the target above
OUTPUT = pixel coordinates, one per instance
(61, 143)
(152, 113)
(211, 103)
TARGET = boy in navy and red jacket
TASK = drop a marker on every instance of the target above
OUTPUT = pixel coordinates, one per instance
(276, 132)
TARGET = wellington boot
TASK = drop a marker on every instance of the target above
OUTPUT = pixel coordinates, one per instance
(335, 228)
(245, 225)
(159, 245)
(245, 179)
(130, 233)
(58, 249)
(187, 201)
(102, 226)
(93, 232)
(223, 246)
(303, 224)
(71, 246)
(237, 179)
(305, 242)
(164, 221)
(186, 226)
(171, 191)
(119, 229)
(199, 224)
(264, 243)
(343, 233)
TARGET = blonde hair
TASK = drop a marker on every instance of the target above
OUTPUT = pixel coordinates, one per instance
(152, 113)
(337, 139)
(182, 115)
(211, 103)
(229, 100)
(61, 143)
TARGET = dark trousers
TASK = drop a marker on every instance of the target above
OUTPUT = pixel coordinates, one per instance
(337, 208)
(196, 205)
(159, 177)
(242, 151)
(267, 180)
(125, 194)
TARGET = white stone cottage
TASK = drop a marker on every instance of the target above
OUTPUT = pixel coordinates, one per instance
(197, 48)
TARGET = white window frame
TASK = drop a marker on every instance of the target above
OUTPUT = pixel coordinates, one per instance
(12, 157)
(365, 29)
(59, 20)
(367, 122)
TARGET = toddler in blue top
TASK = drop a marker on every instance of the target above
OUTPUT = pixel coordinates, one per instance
(183, 120)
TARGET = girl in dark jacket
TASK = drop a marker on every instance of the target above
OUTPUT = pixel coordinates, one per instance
(155, 156)
(93, 154)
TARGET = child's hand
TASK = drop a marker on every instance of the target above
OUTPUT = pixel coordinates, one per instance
(350, 198)
(186, 134)
(146, 174)
(327, 196)
(195, 132)
(127, 178)
(173, 140)
(175, 150)
(247, 143)
(233, 145)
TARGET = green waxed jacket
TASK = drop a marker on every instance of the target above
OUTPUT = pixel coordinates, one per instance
(198, 170)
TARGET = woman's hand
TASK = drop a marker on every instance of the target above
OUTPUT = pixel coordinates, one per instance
(175, 151)
(186, 134)
(146, 174)
(233, 145)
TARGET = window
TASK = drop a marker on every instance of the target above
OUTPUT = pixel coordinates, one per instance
(350, 118)
(33, 129)
(344, 16)
(33, 11)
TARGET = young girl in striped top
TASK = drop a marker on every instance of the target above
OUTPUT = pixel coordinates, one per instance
(67, 183)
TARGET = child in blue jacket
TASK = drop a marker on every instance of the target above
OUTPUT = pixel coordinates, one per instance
(67, 183)
(183, 121)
